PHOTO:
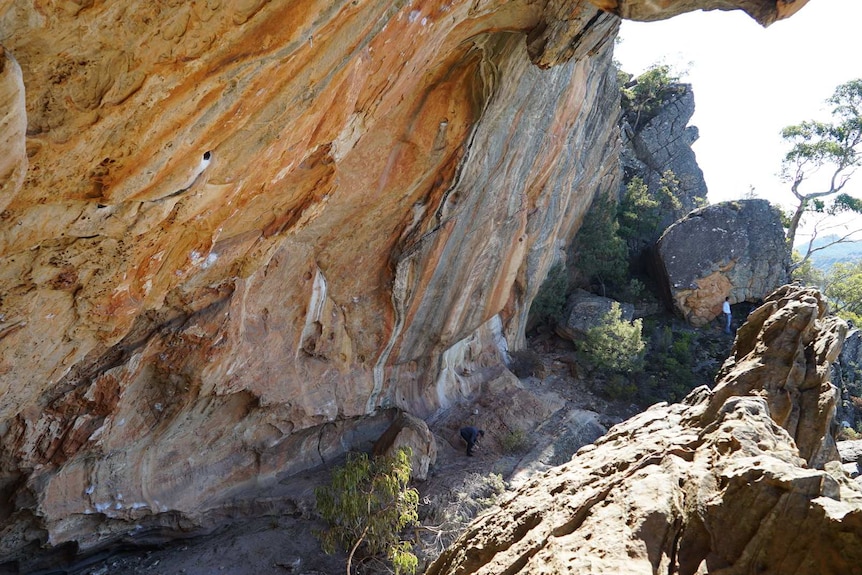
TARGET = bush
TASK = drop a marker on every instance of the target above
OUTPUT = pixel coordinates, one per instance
(619, 387)
(367, 505)
(598, 252)
(551, 298)
(449, 514)
(516, 441)
(615, 345)
(642, 98)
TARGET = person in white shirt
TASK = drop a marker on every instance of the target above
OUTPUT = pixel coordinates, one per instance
(727, 315)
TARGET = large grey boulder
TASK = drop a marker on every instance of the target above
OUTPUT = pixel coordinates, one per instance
(584, 311)
(734, 249)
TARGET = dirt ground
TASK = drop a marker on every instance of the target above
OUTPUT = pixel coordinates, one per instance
(554, 414)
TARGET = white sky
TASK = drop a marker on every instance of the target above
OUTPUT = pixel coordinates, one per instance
(750, 81)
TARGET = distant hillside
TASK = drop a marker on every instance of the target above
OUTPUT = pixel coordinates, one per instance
(843, 252)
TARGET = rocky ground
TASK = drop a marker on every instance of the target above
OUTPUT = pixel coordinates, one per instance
(538, 423)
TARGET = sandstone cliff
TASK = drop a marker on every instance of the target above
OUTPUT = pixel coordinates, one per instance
(728, 481)
(231, 231)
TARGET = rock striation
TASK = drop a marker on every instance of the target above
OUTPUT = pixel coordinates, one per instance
(234, 233)
(731, 249)
(719, 483)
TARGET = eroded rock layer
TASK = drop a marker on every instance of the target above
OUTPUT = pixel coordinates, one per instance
(720, 483)
(232, 231)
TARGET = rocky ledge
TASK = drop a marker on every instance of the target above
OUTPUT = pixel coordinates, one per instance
(743, 478)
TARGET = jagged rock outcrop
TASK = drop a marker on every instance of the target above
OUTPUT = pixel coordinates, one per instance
(233, 232)
(719, 483)
(661, 144)
(734, 249)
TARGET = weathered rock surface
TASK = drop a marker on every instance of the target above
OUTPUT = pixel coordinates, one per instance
(724, 482)
(411, 432)
(233, 232)
(664, 143)
(13, 127)
(734, 249)
(585, 310)
(764, 11)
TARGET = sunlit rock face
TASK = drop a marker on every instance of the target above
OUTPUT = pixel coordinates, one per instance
(716, 484)
(231, 231)
(730, 249)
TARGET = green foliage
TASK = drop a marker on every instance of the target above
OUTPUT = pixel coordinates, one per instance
(551, 299)
(835, 146)
(615, 345)
(367, 505)
(805, 272)
(844, 289)
(598, 252)
(516, 441)
(641, 214)
(643, 98)
(619, 387)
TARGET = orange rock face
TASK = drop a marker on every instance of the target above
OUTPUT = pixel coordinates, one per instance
(232, 230)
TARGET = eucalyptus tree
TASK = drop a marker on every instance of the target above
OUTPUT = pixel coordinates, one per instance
(833, 147)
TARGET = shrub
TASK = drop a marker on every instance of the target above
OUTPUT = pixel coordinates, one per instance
(449, 514)
(642, 98)
(619, 387)
(516, 441)
(551, 298)
(615, 345)
(367, 505)
(598, 252)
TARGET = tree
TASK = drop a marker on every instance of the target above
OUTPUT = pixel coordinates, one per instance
(598, 252)
(644, 215)
(835, 146)
(642, 97)
(548, 304)
(367, 504)
(843, 287)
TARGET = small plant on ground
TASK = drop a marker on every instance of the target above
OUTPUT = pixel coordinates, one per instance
(448, 515)
(516, 441)
(367, 505)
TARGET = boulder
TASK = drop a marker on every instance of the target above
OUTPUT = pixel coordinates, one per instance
(850, 451)
(410, 431)
(734, 249)
(719, 483)
(585, 310)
